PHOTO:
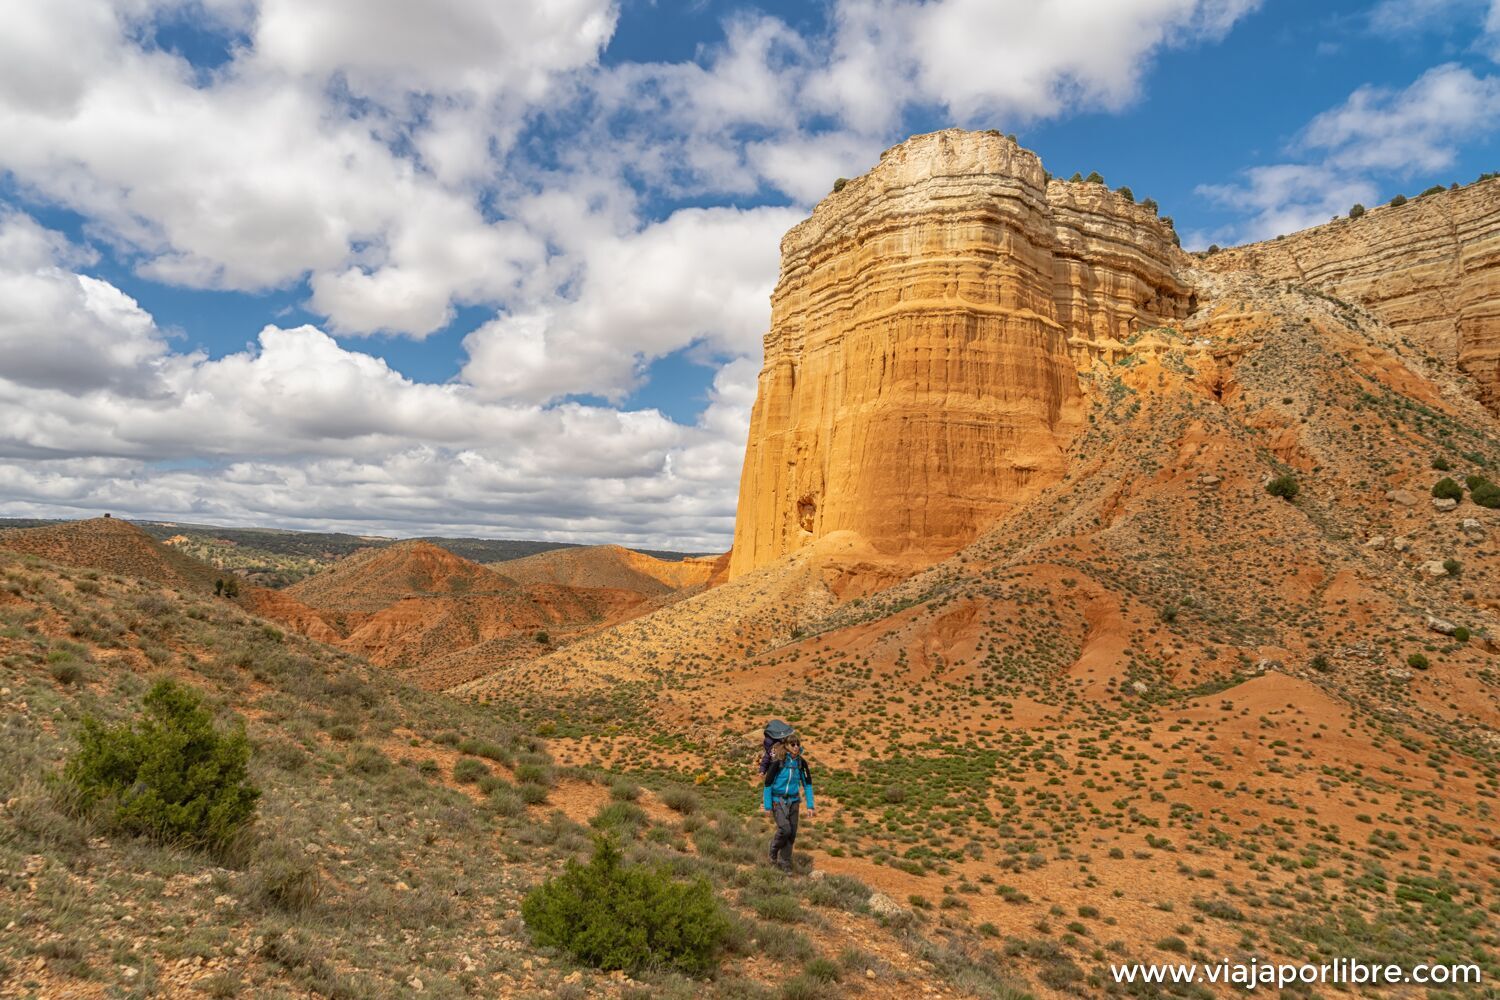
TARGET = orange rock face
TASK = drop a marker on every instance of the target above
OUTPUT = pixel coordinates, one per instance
(1430, 268)
(919, 377)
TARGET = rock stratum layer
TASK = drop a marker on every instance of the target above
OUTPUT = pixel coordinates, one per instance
(920, 374)
(1429, 268)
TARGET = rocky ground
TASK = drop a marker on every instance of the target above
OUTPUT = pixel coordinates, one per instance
(421, 819)
(1158, 697)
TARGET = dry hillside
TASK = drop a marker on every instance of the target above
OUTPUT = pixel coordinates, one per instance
(397, 833)
(110, 545)
(441, 620)
(610, 566)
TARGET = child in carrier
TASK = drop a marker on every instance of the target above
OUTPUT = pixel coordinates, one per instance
(786, 781)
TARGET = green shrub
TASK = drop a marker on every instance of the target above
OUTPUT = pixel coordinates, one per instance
(1399, 200)
(1417, 661)
(1284, 486)
(1447, 489)
(282, 880)
(840, 184)
(1452, 566)
(68, 671)
(839, 892)
(536, 774)
(1320, 664)
(682, 800)
(468, 770)
(824, 969)
(172, 777)
(1356, 210)
(484, 748)
(1461, 634)
(622, 817)
(1486, 494)
(611, 915)
(368, 759)
(1442, 464)
(507, 801)
(804, 987)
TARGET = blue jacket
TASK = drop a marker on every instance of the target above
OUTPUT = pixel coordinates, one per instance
(783, 781)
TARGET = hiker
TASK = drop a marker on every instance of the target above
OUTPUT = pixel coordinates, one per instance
(787, 781)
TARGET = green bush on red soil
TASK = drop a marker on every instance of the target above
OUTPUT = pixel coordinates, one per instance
(613, 915)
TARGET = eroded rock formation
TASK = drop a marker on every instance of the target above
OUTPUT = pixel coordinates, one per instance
(920, 372)
(1430, 268)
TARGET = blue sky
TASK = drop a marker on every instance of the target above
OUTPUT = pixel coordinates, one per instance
(503, 269)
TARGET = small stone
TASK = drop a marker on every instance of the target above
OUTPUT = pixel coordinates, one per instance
(129, 972)
(882, 905)
(1405, 498)
(1440, 626)
(573, 977)
(1471, 525)
(415, 984)
(1397, 674)
(1378, 542)
(402, 887)
(1209, 480)
(1444, 503)
(1139, 687)
(1434, 568)
(816, 874)
(1401, 543)
(869, 973)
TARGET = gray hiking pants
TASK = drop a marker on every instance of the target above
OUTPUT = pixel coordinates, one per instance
(785, 812)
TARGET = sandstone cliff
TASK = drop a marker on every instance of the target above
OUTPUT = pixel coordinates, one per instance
(1430, 268)
(920, 370)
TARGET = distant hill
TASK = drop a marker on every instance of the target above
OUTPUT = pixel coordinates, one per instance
(111, 546)
(439, 618)
(371, 579)
(274, 557)
(607, 566)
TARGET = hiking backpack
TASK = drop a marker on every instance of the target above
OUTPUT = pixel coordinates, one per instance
(776, 731)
